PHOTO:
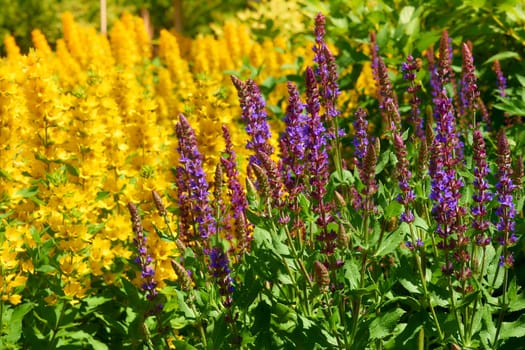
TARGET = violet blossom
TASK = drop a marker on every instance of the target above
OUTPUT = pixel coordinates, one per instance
(482, 195)
(506, 210)
(192, 186)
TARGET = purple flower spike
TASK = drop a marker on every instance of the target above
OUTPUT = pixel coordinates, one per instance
(293, 143)
(326, 70)
(502, 81)
(469, 87)
(387, 99)
(482, 194)
(238, 197)
(317, 146)
(220, 271)
(193, 188)
(360, 138)
(504, 188)
(143, 259)
(409, 69)
(254, 115)
(404, 176)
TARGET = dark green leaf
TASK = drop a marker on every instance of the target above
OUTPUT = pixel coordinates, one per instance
(384, 325)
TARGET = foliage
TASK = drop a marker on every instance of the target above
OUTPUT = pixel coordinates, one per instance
(125, 221)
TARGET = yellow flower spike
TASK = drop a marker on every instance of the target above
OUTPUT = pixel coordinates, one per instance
(40, 42)
(169, 52)
(72, 38)
(11, 48)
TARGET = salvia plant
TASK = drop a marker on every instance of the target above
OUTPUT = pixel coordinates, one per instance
(344, 235)
(404, 239)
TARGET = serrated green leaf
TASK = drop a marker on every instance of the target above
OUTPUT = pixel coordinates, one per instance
(384, 325)
(183, 306)
(351, 273)
(394, 209)
(262, 237)
(515, 329)
(390, 243)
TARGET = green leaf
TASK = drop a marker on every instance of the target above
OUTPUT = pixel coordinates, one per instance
(351, 273)
(390, 243)
(502, 56)
(284, 279)
(384, 325)
(183, 306)
(406, 14)
(517, 303)
(182, 345)
(102, 195)
(262, 237)
(14, 323)
(469, 299)
(28, 192)
(409, 286)
(394, 209)
(515, 329)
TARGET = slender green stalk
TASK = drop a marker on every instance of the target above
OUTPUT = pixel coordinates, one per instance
(456, 315)
(504, 299)
(475, 307)
(424, 283)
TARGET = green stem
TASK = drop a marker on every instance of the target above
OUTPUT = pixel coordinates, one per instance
(424, 283)
(504, 299)
(57, 326)
(453, 303)
(333, 326)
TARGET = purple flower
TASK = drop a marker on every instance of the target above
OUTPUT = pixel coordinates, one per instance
(238, 197)
(446, 184)
(387, 99)
(317, 156)
(326, 70)
(404, 176)
(409, 69)
(220, 270)
(143, 259)
(504, 188)
(445, 73)
(360, 138)
(482, 194)
(469, 90)
(192, 186)
(254, 115)
(502, 81)
(317, 164)
(293, 142)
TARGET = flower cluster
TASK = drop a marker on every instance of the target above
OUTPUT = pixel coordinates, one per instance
(407, 196)
(220, 271)
(506, 210)
(143, 259)
(326, 70)
(409, 68)
(294, 142)
(483, 195)
(192, 186)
